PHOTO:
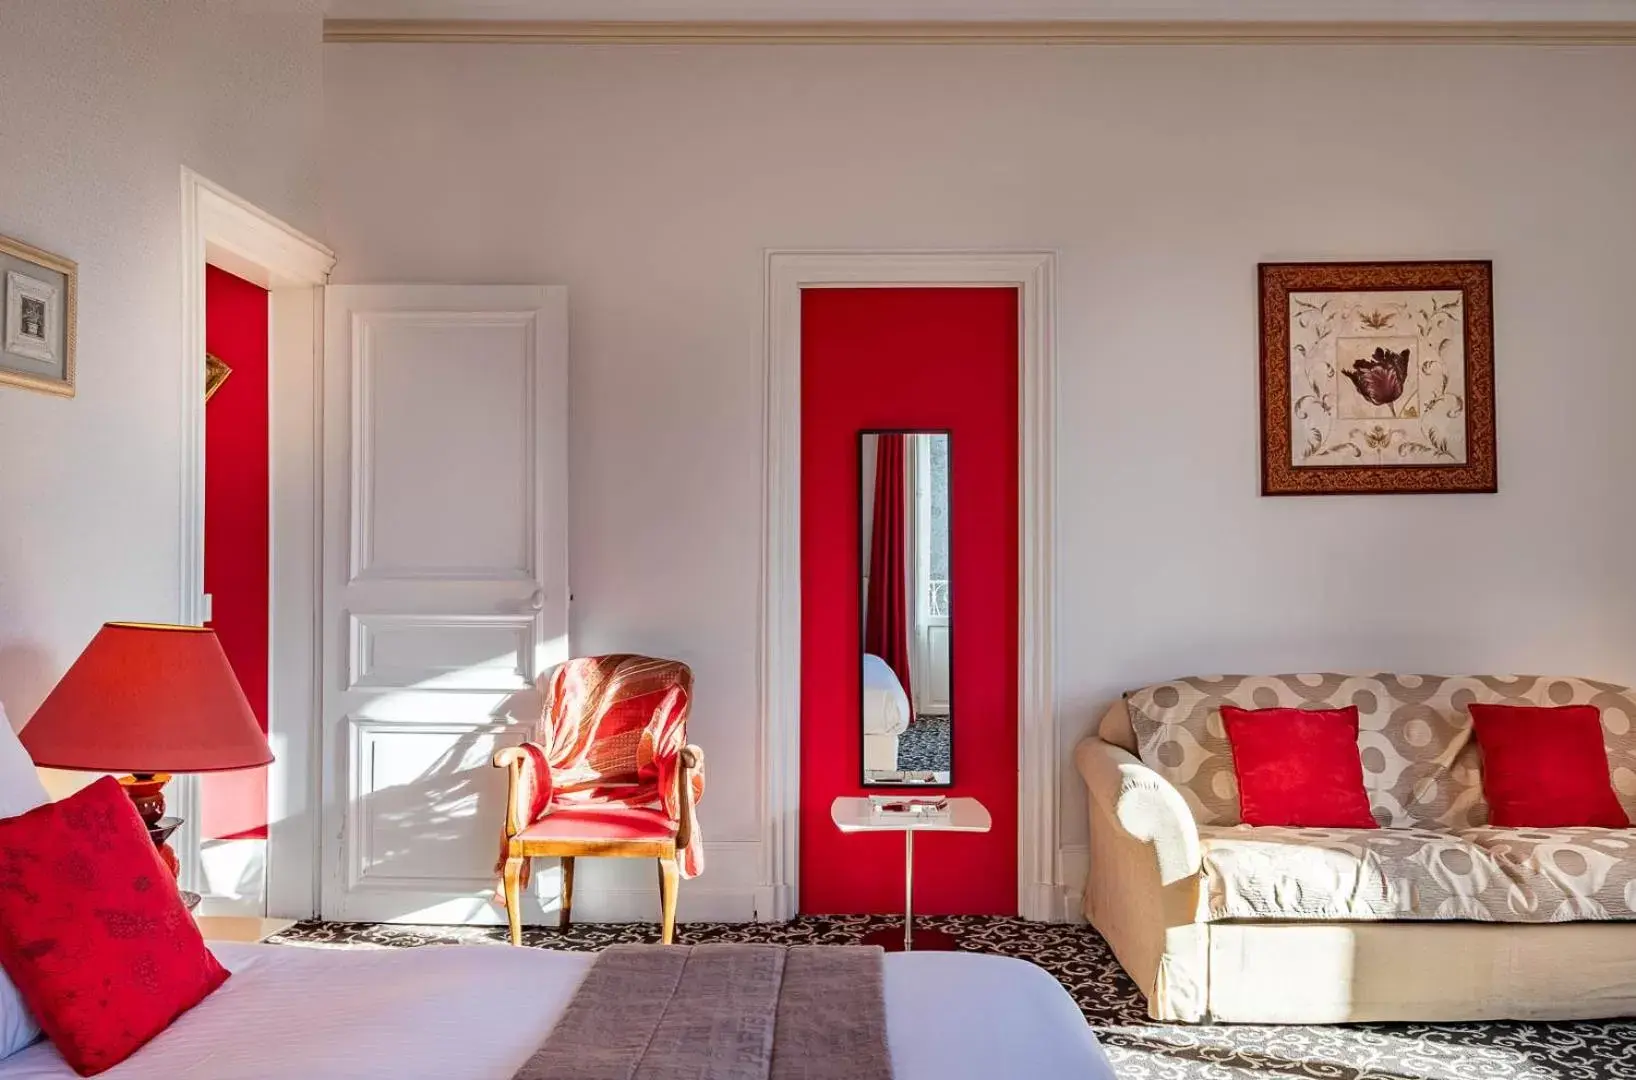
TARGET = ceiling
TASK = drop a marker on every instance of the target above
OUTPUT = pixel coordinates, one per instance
(995, 10)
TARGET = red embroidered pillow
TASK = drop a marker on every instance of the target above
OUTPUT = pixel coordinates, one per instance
(93, 930)
(1546, 768)
(1298, 767)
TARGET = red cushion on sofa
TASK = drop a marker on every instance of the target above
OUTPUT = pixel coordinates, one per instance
(1298, 767)
(1546, 768)
(93, 930)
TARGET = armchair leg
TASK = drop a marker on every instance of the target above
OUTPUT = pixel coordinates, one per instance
(514, 902)
(566, 912)
(667, 900)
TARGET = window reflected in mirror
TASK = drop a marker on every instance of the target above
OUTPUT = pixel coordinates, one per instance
(905, 599)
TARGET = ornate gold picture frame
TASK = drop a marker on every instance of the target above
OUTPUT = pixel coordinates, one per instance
(1377, 378)
(39, 307)
(216, 373)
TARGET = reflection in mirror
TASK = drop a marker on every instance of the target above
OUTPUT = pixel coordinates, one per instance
(908, 686)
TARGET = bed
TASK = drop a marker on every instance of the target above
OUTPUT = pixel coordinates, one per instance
(473, 1012)
(886, 714)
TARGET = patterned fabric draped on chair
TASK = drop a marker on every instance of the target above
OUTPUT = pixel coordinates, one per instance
(607, 772)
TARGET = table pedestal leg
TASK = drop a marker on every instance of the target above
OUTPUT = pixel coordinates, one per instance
(908, 889)
(911, 938)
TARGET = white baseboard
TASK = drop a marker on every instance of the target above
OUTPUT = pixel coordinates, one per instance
(727, 892)
(626, 890)
(774, 903)
(694, 903)
(605, 890)
(1075, 860)
(1041, 902)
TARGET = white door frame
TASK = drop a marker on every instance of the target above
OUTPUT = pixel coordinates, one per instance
(224, 230)
(1033, 273)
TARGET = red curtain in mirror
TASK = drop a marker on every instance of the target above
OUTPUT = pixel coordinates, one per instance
(886, 612)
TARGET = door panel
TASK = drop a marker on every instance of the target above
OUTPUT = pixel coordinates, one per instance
(930, 588)
(440, 652)
(446, 593)
(423, 794)
(443, 421)
(934, 698)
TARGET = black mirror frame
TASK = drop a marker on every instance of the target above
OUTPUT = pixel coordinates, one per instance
(857, 665)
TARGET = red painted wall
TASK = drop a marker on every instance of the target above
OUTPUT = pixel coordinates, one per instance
(236, 530)
(910, 358)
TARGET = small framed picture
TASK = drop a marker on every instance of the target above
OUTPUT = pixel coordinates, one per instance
(216, 373)
(37, 319)
(1377, 378)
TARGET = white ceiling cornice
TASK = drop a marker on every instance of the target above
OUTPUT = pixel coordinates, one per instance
(1004, 11)
(975, 32)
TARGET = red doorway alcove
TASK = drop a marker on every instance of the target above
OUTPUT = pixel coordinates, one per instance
(910, 358)
(233, 805)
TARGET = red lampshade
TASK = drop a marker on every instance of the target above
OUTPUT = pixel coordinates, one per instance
(145, 698)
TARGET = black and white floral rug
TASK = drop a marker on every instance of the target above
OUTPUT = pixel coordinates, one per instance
(926, 744)
(1139, 1048)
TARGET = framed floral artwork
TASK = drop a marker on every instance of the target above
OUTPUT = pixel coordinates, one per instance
(1377, 378)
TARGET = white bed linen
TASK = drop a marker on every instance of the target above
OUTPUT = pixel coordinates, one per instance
(885, 705)
(473, 1012)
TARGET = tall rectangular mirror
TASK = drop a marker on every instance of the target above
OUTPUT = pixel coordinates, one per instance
(906, 632)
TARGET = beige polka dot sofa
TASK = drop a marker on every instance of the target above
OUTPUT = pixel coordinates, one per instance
(1433, 917)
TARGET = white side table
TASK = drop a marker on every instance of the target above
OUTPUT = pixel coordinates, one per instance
(851, 815)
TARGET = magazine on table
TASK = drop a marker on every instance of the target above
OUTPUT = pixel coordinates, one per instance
(896, 806)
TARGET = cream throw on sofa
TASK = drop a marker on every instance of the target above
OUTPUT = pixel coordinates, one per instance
(1434, 917)
(1484, 875)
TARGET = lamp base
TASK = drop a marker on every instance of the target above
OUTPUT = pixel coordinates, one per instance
(147, 792)
(159, 834)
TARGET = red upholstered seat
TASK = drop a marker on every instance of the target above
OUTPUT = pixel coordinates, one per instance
(611, 822)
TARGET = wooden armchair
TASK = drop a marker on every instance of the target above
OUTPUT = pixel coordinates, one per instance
(608, 774)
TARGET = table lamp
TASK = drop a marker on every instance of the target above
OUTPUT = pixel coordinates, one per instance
(148, 699)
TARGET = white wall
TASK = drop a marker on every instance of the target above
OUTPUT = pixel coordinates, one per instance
(648, 180)
(101, 103)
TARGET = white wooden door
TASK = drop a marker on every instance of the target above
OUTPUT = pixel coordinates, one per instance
(929, 584)
(445, 581)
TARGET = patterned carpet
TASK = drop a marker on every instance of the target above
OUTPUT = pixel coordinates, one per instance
(1139, 1048)
(925, 744)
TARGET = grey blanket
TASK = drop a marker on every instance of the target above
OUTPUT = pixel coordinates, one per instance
(722, 1012)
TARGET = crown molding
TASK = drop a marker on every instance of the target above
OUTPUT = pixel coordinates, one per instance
(1177, 32)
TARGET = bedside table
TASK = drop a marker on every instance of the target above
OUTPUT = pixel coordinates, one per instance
(242, 928)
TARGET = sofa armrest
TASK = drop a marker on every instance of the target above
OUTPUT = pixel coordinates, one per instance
(1144, 805)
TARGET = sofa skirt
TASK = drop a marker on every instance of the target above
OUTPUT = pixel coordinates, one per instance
(1326, 973)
